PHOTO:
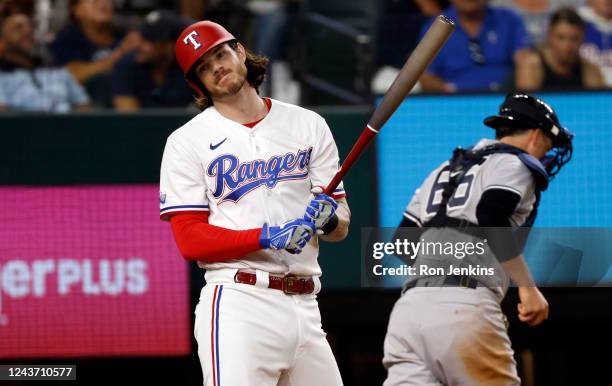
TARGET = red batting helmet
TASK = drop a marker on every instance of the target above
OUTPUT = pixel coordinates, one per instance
(194, 42)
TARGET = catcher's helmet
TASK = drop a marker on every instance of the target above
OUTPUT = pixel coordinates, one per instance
(195, 41)
(522, 111)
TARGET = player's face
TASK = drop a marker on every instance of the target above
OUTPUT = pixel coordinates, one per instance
(564, 40)
(602, 7)
(17, 33)
(222, 70)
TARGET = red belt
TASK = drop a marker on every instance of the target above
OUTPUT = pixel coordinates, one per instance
(291, 285)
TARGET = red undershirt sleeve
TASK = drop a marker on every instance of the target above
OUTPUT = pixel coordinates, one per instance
(198, 240)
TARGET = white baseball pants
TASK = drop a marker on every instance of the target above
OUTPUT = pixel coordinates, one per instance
(253, 336)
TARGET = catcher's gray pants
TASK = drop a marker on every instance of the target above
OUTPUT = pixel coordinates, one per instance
(448, 336)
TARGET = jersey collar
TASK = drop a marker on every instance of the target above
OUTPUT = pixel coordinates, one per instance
(215, 113)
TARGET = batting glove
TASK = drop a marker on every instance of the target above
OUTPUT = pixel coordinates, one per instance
(321, 209)
(300, 238)
(291, 236)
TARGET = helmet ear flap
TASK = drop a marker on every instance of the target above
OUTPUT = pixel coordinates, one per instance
(203, 99)
(194, 82)
(194, 87)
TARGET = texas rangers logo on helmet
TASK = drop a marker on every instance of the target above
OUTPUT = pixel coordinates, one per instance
(243, 178)
(191, 39)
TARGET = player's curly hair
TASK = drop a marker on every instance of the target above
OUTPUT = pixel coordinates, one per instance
(256, 71)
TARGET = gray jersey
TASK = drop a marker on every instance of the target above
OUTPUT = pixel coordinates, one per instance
(497, 171)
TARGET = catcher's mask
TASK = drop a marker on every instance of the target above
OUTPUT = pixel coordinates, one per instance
(522, 111)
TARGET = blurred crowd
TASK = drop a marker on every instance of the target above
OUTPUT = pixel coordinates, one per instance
(67, 55)
(503, 45)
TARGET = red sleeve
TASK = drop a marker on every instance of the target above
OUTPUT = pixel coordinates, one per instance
(199, 240)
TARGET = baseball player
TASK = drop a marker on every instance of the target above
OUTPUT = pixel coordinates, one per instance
(241, 184)
(449, 329)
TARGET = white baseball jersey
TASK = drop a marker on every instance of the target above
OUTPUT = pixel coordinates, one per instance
(498, 171)
(245, 177)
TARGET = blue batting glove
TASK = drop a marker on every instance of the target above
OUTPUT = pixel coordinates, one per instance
(292, 235)
(321, 208)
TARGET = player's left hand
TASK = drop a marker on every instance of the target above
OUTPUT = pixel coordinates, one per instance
(292, 236)
(320, 209)
(300, 237)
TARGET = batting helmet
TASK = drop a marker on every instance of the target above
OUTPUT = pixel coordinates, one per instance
(522, 111)
(194, 42)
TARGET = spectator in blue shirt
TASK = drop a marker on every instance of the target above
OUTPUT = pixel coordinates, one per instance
(482, 52)
(90, 44)
(597, 45)
(151, 77)
(27, 85)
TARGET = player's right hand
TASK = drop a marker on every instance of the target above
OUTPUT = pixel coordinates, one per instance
(292, 235)
(533, 308)
(321, 208)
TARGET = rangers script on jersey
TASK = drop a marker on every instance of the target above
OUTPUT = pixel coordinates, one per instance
(245, 177)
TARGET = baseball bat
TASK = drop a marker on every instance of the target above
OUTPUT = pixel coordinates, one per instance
(417, 62)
